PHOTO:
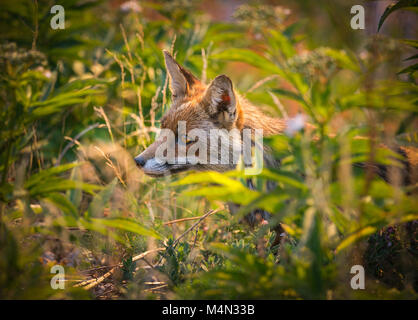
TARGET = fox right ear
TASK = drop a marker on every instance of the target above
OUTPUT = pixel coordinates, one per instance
(220, 100)
(181, 80)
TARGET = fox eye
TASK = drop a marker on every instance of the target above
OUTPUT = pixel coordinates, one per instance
(184, 139)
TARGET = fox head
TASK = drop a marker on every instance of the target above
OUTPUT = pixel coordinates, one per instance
(197, 110)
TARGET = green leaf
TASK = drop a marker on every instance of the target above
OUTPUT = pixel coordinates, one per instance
(64, 96)
(62, 99)
(59, 184)
(126, 225)
(287, 178)
(379, 101)
(271, 202)
(99, 202)
(415, 56)
(281, 42)
(75, 195)
(410, 42)
(81, 84)
(410, 69)
(366, 231)
(100, 228)
(239, 196)
(63, 203)
(47, 173)
(393, 7)
(289, 94)
(211, 177)
(248, 56)
(342, 59)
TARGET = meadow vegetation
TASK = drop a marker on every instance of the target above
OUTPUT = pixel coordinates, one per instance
(76, 106)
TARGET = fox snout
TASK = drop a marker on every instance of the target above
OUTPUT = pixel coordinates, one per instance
(149, 153)
(149, 163)
(151, 166)
(140, 161)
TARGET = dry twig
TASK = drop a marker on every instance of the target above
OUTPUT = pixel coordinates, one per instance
(88, 284)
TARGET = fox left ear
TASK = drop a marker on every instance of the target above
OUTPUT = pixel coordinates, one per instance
(220, 100)
(181, 80)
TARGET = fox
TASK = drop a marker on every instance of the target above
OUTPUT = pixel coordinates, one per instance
(216, 106)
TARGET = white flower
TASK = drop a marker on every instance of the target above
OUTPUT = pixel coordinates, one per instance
(130, 6)
(295, 124)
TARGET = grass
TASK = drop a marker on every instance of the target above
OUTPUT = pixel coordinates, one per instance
(78, 104)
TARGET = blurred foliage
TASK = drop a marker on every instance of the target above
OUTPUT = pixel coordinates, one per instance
(77, 104)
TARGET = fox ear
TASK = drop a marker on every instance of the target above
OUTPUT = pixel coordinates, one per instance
(220, 100)
(181, 80)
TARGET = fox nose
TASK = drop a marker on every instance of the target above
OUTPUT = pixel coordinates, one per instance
(140, 161)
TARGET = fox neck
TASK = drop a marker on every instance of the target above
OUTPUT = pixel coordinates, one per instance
(249, 116)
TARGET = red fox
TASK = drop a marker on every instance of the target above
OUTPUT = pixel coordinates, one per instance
(216, 106)
(212, 108)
